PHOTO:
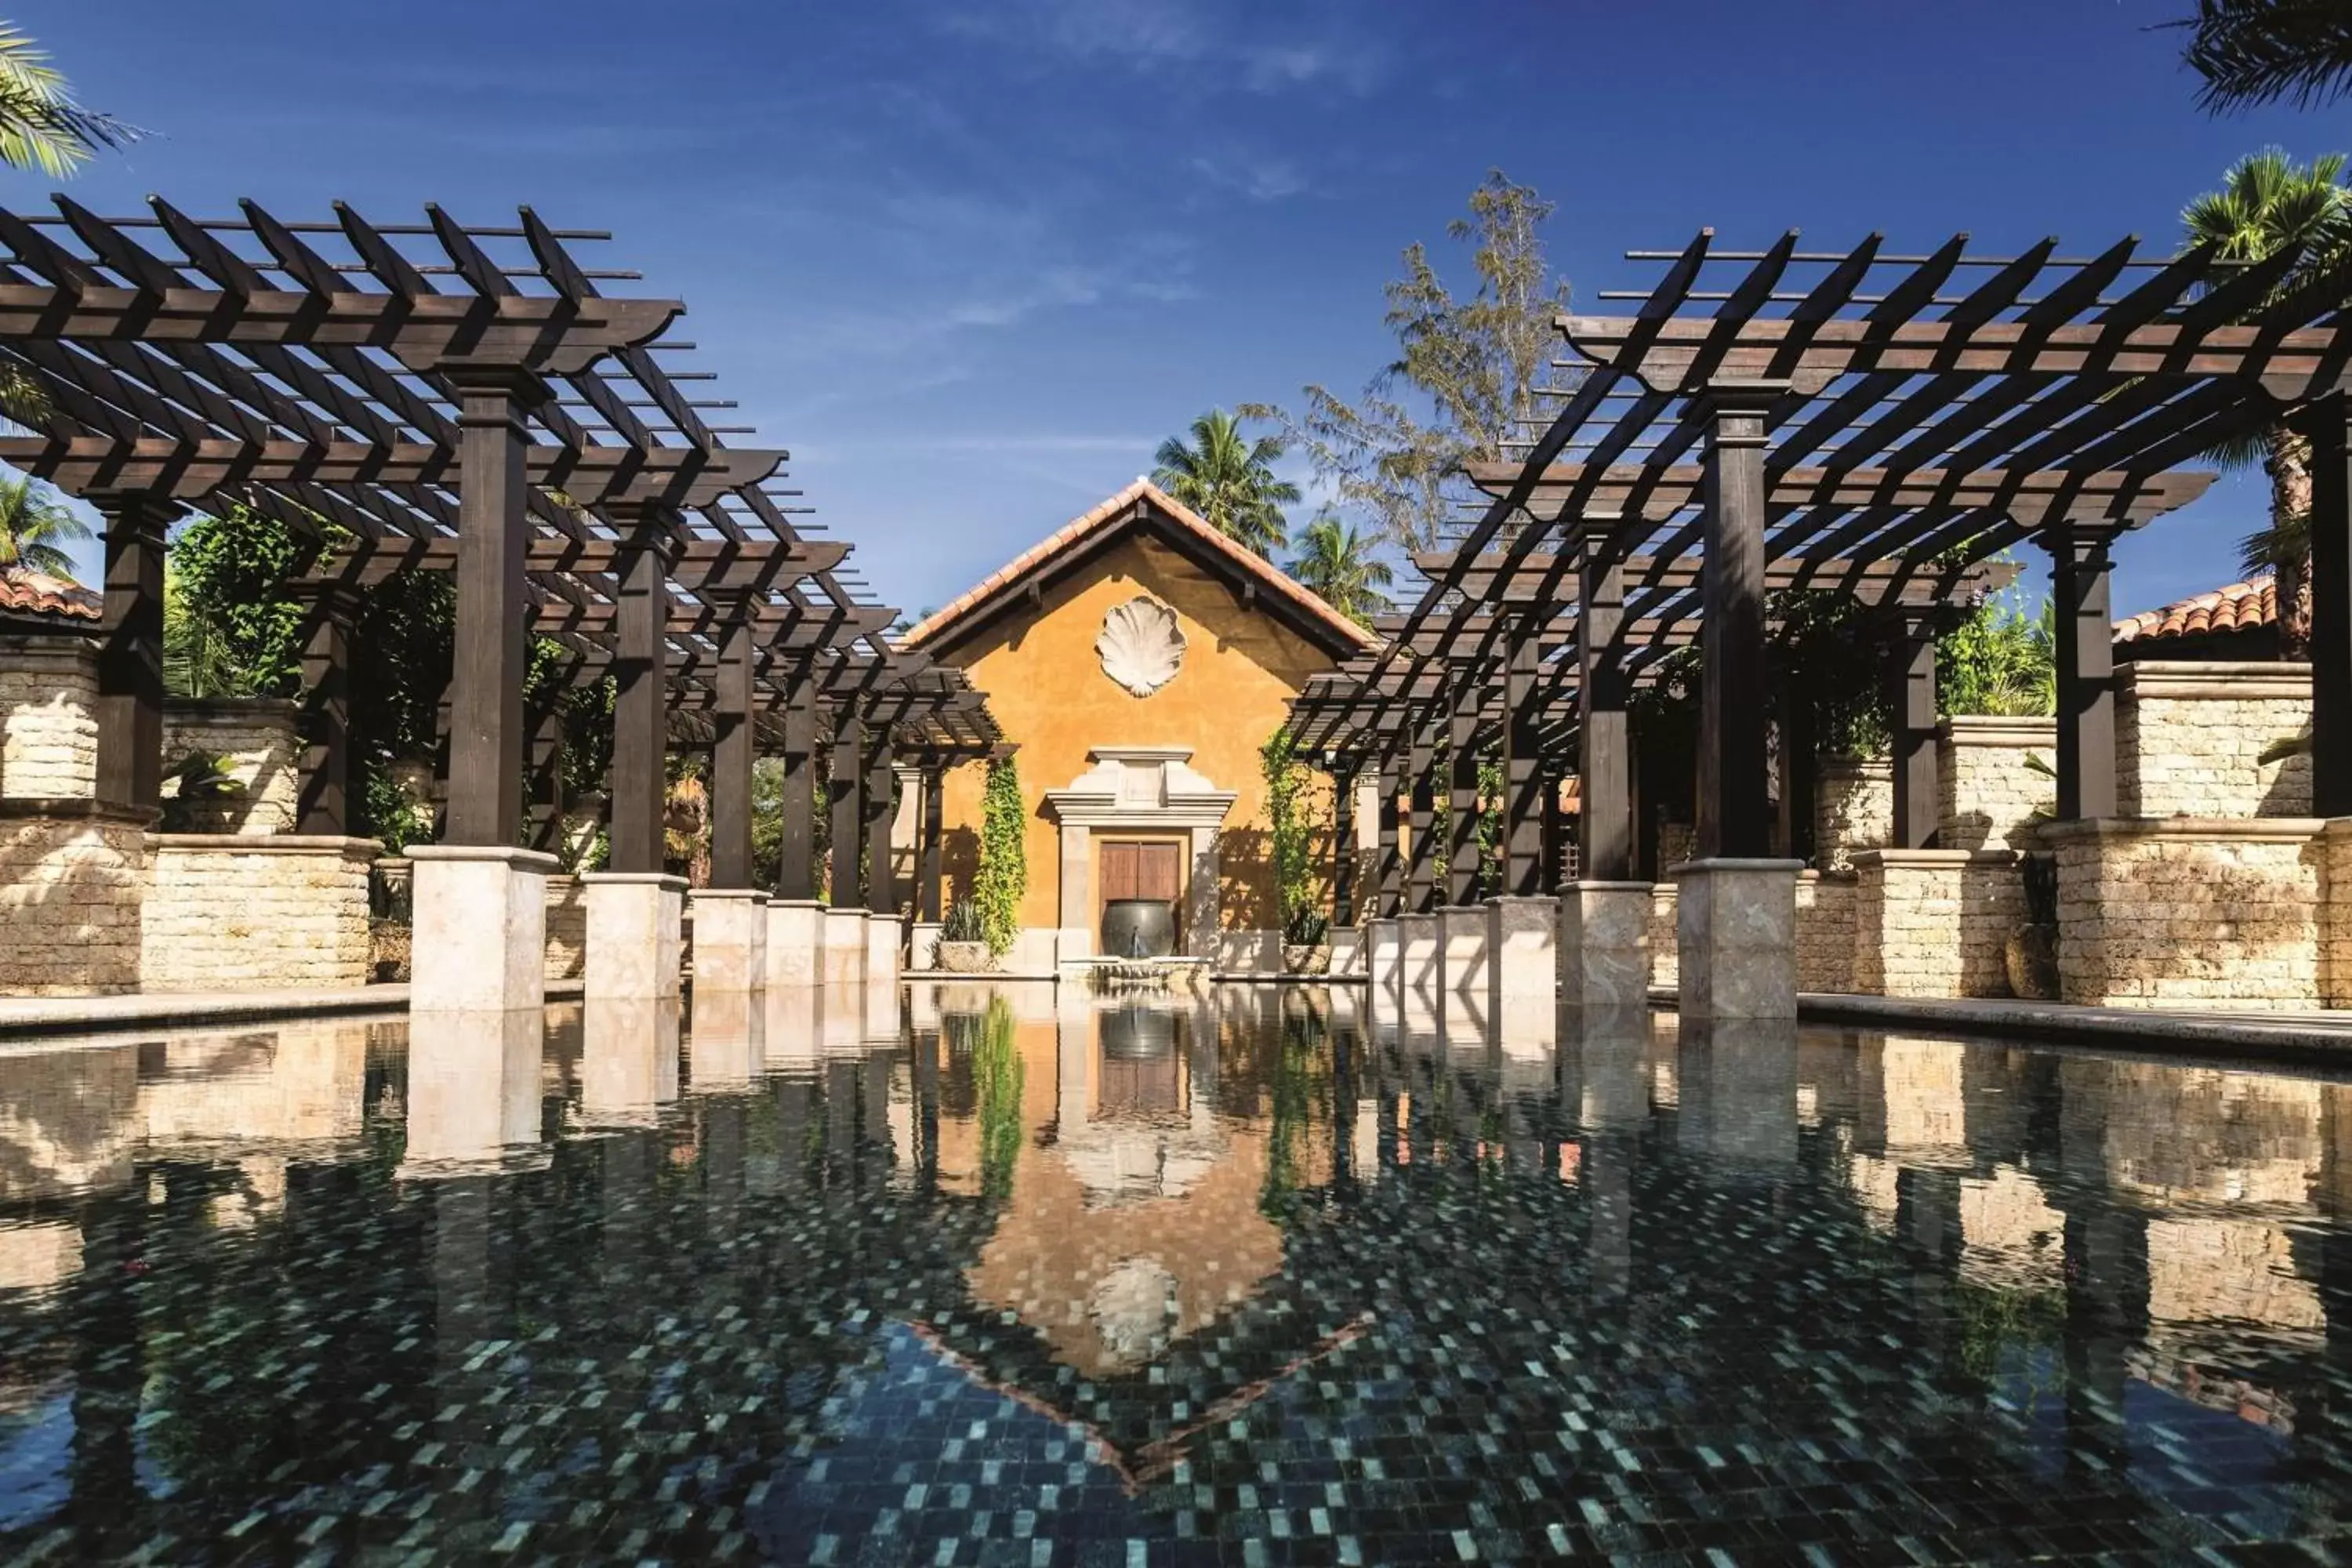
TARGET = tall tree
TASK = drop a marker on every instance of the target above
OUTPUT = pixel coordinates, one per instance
(2267, 205)
(1229, 480)
(1337, 564)
(41, 126)
(1467, 381)
(2254, 52)
(35, 528)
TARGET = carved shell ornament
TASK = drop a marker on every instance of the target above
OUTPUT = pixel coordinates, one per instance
(1141, 648)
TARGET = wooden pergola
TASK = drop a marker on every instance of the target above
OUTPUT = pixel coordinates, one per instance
(1879, 424)
(431, 396)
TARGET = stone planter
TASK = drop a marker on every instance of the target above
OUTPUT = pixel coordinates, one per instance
(1300, 959)
(2031, 957)
(965, 957)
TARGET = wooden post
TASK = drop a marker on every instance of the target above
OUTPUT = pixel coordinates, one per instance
(1604, 768)
(879, 808)
(486, 736)
(543, 769)
(2331, 606)
(1917, 808)
(796, 857)
(1523, 771)
(846, 889)
(1552, 827)
(1799, 771)
(732, 756)
(1735, 816)
(2087, 686)
(1389, 868)
(640, 701)
(930, 862)
(1420, 880)
(323, 804)
(1343, 842)
(130, 653)
(1462, 798)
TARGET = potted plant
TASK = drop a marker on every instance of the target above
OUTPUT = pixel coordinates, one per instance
(963, 946)
(1307, 942)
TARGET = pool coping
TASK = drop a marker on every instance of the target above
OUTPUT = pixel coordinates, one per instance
(40, 1018)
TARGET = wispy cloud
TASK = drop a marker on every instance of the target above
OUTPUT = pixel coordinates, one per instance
(1218, 42)
(1259, 179)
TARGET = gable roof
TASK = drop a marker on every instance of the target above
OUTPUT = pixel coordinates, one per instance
(29, 593)
(2238, 607)
(1141, 504)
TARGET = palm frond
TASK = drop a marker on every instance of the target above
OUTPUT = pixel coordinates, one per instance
(41, 126)
(2252, 52)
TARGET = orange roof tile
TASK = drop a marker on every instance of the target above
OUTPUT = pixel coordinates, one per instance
(38, 594)
(2238, 607)
(1109, 514)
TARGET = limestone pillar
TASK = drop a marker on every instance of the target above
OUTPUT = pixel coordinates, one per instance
(796, 942)
(635, 933)
(1462, 946)
(1737, 926)
(845, 947)
(1934, 923)
(1381, 955)
(1604, 945)
(1522, 952)
(478, 929)
(1074, 920)
(882, 935)
(731, 939)
(1417, 951)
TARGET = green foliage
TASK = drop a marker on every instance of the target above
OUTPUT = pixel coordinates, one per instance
(398, 817)
(1829, 649)
(35, 525)
(1336, 563)
(2252, 52)
(1290, 824)
(237, 632)
(41, 126)
(999, 1076)
(1301, 1081)
(1999, 659)
(1229, 480)
(1465, 380)
(964, 922)
(1490, 823)
(1002, 878)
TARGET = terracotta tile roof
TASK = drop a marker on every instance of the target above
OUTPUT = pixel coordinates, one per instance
(2240, 607)
(38, 594)
(1108, 515)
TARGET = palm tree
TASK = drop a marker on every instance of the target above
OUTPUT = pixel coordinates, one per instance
(2268, 204)
(41, 126)
(35, 527)
(1229, 480)
(2254, 52)
(1337, 564)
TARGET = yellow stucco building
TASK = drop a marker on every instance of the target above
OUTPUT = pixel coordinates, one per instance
(1138, 659)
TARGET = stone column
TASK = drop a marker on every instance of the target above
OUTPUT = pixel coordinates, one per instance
(1075, 919)
(1736, 928)
(1604, 914)
(931, 835)
(1604, 944)
(1422, 894)
(1419, 967)
(636, 946)
(1933, 922)
(477, 937)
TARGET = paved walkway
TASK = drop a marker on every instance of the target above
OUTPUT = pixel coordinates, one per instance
(44, 1016)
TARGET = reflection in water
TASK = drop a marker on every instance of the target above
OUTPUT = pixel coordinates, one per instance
(987, 1272)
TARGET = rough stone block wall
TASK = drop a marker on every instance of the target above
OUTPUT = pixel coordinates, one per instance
(2189, 912)
(2190, 738)
(71, 878)
(567, 928)
(256, 736)
(1666, 938)
(1677, 842)
(1825, 932)
(1934, 923)
(1987, 795)
(1853, 809)
(222, 916)
(2335, 915)
(48, 718)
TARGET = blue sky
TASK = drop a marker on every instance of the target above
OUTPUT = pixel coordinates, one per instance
(971, 261)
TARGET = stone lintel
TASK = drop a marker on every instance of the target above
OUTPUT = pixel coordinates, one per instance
(1994, 729)
(662, 879)
(2227, 829)
(1929, 859)
(267, 844)
(533, 860)
(2197, 680)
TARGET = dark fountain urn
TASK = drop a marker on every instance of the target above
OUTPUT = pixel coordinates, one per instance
(1138, 927)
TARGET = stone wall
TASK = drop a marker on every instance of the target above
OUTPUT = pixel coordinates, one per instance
(1825, 909)
(251, 913)
(2335, 916)
(1853, 809)
(71, 876)
(1666, 938)
(2189, 736)
(48, 718)
(567, 928)
(257, 738)
(1934, 923)
(2189, 912)
(1986, 795)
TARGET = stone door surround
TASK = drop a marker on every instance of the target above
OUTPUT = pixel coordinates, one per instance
(1141, 790)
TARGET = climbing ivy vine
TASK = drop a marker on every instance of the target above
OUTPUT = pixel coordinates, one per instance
(1002, 878)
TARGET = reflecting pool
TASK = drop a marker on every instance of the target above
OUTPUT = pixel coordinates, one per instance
(975, 1275)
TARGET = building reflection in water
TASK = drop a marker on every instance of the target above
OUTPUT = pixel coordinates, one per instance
(1144, 1217)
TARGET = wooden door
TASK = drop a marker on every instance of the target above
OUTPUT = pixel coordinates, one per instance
(1145, 870)
(1122, 871)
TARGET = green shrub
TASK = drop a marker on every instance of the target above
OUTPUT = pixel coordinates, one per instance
(963, 923)
(1003, 879)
